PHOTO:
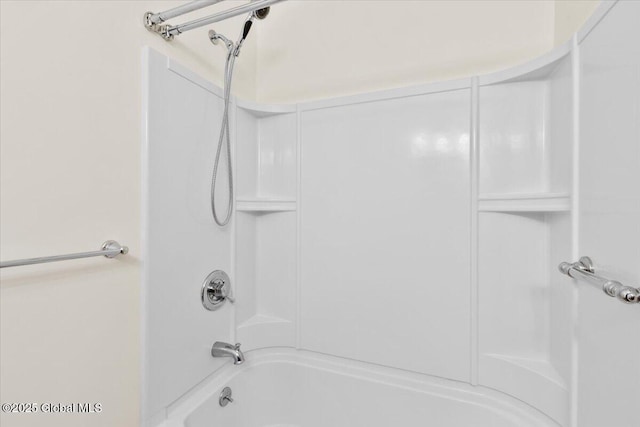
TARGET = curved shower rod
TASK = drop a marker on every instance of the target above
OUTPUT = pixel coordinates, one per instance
(153, 21)
(159, 18)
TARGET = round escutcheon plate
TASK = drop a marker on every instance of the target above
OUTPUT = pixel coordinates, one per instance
(215, 290)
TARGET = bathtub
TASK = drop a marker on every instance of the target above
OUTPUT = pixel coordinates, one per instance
(285, 387)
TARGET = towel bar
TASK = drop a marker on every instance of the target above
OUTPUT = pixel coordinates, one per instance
(110, 249)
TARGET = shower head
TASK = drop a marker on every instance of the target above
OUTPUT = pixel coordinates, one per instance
(261, 13)
(247, 27)
(244, 34)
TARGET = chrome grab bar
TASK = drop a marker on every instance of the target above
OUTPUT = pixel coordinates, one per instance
(583, 269)
(110, 249)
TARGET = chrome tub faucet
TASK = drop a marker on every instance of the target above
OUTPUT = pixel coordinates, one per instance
(223, 349)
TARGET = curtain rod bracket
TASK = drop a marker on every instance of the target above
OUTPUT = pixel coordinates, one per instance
(158, 28)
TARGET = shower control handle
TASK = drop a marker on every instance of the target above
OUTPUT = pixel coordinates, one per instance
(216, 289)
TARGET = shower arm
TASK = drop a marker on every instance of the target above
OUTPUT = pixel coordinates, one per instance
(583, 269)
(152, 21)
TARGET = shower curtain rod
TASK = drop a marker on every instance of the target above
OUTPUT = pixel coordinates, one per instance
(169, 31)
(159, 18)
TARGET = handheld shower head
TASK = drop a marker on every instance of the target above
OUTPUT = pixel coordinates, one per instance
(243, 36)
(247, 27)
(262, 13)
(259, 14)
(233, 51)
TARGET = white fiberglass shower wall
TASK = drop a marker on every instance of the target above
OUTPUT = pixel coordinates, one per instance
(411, 234)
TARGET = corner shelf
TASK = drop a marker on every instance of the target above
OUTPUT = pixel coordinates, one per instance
(266, 110)
(526, 202)
(265, 205)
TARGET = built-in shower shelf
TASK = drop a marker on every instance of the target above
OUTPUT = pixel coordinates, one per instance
(266, 110)
(265, 205)
(532, 202)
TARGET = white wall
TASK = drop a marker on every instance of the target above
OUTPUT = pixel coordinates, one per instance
(609, 209)
(70, 171)
(70, 82)
(385, 227)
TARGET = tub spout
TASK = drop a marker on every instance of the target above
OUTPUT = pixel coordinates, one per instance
(223, 349)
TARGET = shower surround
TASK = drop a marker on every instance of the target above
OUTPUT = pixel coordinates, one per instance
(395, 250)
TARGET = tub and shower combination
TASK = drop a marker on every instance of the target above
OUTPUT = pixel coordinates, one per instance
(297, 388)
(392, 257)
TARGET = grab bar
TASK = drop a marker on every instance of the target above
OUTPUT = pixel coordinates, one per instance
(110, 249)
(583, 269)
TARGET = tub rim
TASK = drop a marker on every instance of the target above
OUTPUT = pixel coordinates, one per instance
(481, 397)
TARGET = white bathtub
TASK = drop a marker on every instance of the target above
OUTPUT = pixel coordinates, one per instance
(281, 387)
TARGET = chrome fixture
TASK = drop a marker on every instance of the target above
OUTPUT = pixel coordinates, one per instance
(583, 269)
(159, 18)
(110, 249)
(224, 139)
(216, 289)
(223, 349)
(257, 9)
(225, 397)
(153, 21)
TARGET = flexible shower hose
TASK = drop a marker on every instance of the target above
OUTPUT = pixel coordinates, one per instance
(225, 139)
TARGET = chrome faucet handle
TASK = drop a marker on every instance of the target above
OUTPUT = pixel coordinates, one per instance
(224, 290)
(228, 296)
(237, 346)
(216, 289)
